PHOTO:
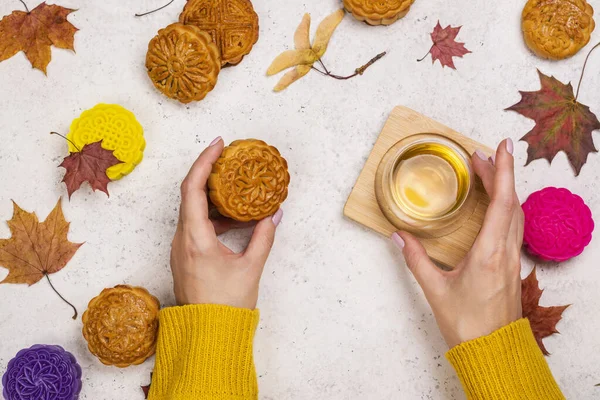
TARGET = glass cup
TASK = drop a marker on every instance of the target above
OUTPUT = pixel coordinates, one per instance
(425, 185)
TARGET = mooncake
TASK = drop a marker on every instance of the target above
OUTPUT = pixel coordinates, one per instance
(378, 12)
(557, 29)
(249, 181)
(121, 325)
(183, 62)
(232, 24)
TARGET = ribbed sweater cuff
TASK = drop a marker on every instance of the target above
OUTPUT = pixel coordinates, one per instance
(203, 352)
(506, 364)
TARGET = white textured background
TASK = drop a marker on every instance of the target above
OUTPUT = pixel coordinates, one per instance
(341, 316)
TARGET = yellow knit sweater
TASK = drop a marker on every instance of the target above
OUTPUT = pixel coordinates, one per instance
(204, 352)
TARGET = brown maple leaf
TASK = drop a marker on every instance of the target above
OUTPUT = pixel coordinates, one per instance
(36, 250)
(146, 388)
(543, 320)
(561, 123)
(33, 32)
(444, 46)
(88, 165)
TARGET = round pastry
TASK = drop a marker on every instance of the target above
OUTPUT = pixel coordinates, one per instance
(558, 224)
(42, 371)
(249, 181)
(121, 325)
(378, 12)
(557, 29)
(183, 62)
(119, 131)
(233, 25)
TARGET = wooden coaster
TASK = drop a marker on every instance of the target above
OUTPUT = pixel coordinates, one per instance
(362, 205)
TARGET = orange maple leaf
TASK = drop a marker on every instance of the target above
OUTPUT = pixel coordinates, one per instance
(543, 320)
(33, 32)
(36, 249)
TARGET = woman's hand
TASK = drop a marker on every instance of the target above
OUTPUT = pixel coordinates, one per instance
(483, 292)
(204, 270)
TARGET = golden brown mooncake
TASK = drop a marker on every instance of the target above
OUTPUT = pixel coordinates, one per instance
(249, 181)
(183, 62)
(121, 325)
(378, 12)
(557, 29)
(232, 24)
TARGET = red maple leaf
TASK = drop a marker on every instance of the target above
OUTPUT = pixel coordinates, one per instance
(543, 320)
(561, 123)
(146, 388)
(89, 164)
(444, 46)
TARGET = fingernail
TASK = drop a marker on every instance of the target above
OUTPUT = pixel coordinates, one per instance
(398, 241)
(510, 146)
(481, 155)
(493, 159)
(277, 217)
(217, 140)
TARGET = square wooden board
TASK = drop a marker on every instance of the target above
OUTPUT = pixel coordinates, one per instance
(362, 205)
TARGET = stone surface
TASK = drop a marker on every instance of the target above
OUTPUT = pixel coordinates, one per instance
(341, 316)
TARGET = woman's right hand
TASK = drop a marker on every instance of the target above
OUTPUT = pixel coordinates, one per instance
(205, 271)
(483, 292)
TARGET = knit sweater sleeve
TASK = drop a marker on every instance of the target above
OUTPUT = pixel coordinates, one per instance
(505, 365)
(205, 352)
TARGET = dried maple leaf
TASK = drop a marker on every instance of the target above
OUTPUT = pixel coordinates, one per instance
(561, 123)
(146, 388)
(88, 165)
(444, 46)
(36, 249)
(33, 32)
(543, 320)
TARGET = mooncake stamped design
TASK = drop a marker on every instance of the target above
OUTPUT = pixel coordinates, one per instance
(232, 24)
(121, 325)
(249, 181)
(183, 62)
(558, 224)
(557, 29)
(119, 131)
(42, 372)
(378, 12)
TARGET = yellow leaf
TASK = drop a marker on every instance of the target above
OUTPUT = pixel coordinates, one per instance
(291, 58)
(291, 77)
(302, 38)
(324, 32)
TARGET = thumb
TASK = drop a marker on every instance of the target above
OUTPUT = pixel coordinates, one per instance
(424, 270)
(262, 239)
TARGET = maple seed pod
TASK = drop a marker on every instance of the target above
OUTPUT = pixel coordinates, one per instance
(249, 181)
